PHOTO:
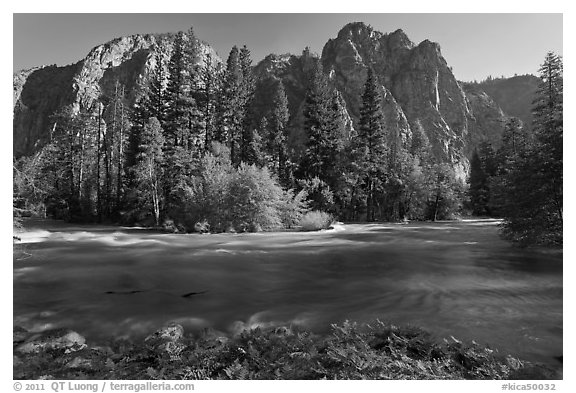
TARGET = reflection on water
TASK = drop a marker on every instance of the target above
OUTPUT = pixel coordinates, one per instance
(451, 278)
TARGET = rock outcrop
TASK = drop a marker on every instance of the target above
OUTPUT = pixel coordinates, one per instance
(487, 122)
(59, 339)
(417, 85)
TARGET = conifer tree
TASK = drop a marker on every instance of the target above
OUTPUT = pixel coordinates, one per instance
(276, 135)
(209, 77)
(548, 126)
(479, 192)
(154, 99)
(192, 81)
(138, 116)
(177, 98)
(370, 148)
(320, 126)
(516, 143)
(534, 207)
(117, 125)
(230, 111)
(250, 139)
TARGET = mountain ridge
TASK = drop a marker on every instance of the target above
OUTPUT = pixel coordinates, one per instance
(417, 87)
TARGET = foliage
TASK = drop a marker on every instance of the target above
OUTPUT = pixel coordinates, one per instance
(232, 121)
(181, 113)
(316, 220)
(370, 150)
(253, 200)
(319, 193)
(148, 171)
(292, 207)
(347, 351)
(242, 199)
(445, 193)
(321, 126)
(529, 183)
(479, 190)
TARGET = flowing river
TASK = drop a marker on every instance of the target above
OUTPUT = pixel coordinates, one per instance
(451, 278)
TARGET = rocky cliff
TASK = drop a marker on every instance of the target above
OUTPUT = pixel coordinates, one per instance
(418, 88)
(40, 92)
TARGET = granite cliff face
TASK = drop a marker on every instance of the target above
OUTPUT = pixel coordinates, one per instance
(487, 119)
(40, 92)
(418, 88)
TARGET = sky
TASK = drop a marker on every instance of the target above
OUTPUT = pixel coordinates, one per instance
(475, 45)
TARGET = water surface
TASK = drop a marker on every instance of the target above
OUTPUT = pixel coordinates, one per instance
(451, 278)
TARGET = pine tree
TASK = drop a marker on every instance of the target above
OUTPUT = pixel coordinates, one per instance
(117, 126)
(514, 138)
(230, 111)
(516, 142)
(250, 139)
(122, 127)
(177, 98)
(138, 116)
(321, 127)
(196, 132)
(370, 148)
(548, 127)
(276, 135)
(209, 84)
(532, 178)
(155, 101)
(479, 194)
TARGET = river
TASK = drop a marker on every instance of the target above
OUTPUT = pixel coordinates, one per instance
(451, 278)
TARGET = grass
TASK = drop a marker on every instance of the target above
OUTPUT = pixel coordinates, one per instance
(349, 351)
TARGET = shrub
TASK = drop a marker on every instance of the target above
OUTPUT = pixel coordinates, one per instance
(316, 220)
(253, 200)
(348, 351)
(243, 199)
(293, 207)
(202, 226)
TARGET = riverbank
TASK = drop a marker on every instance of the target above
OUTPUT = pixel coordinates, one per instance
(349, 351)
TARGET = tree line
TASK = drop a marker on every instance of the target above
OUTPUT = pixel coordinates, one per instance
(208, 145)
(522, 180)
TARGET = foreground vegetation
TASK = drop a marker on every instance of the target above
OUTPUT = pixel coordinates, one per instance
(349, 351)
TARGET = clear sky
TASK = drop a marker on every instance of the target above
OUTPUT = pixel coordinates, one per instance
(475, 45)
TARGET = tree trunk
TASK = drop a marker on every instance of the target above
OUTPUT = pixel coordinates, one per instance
(436, 207)
(81, 169)
(98, 193)
(369, 203)
(119, 190)
(155, 197)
